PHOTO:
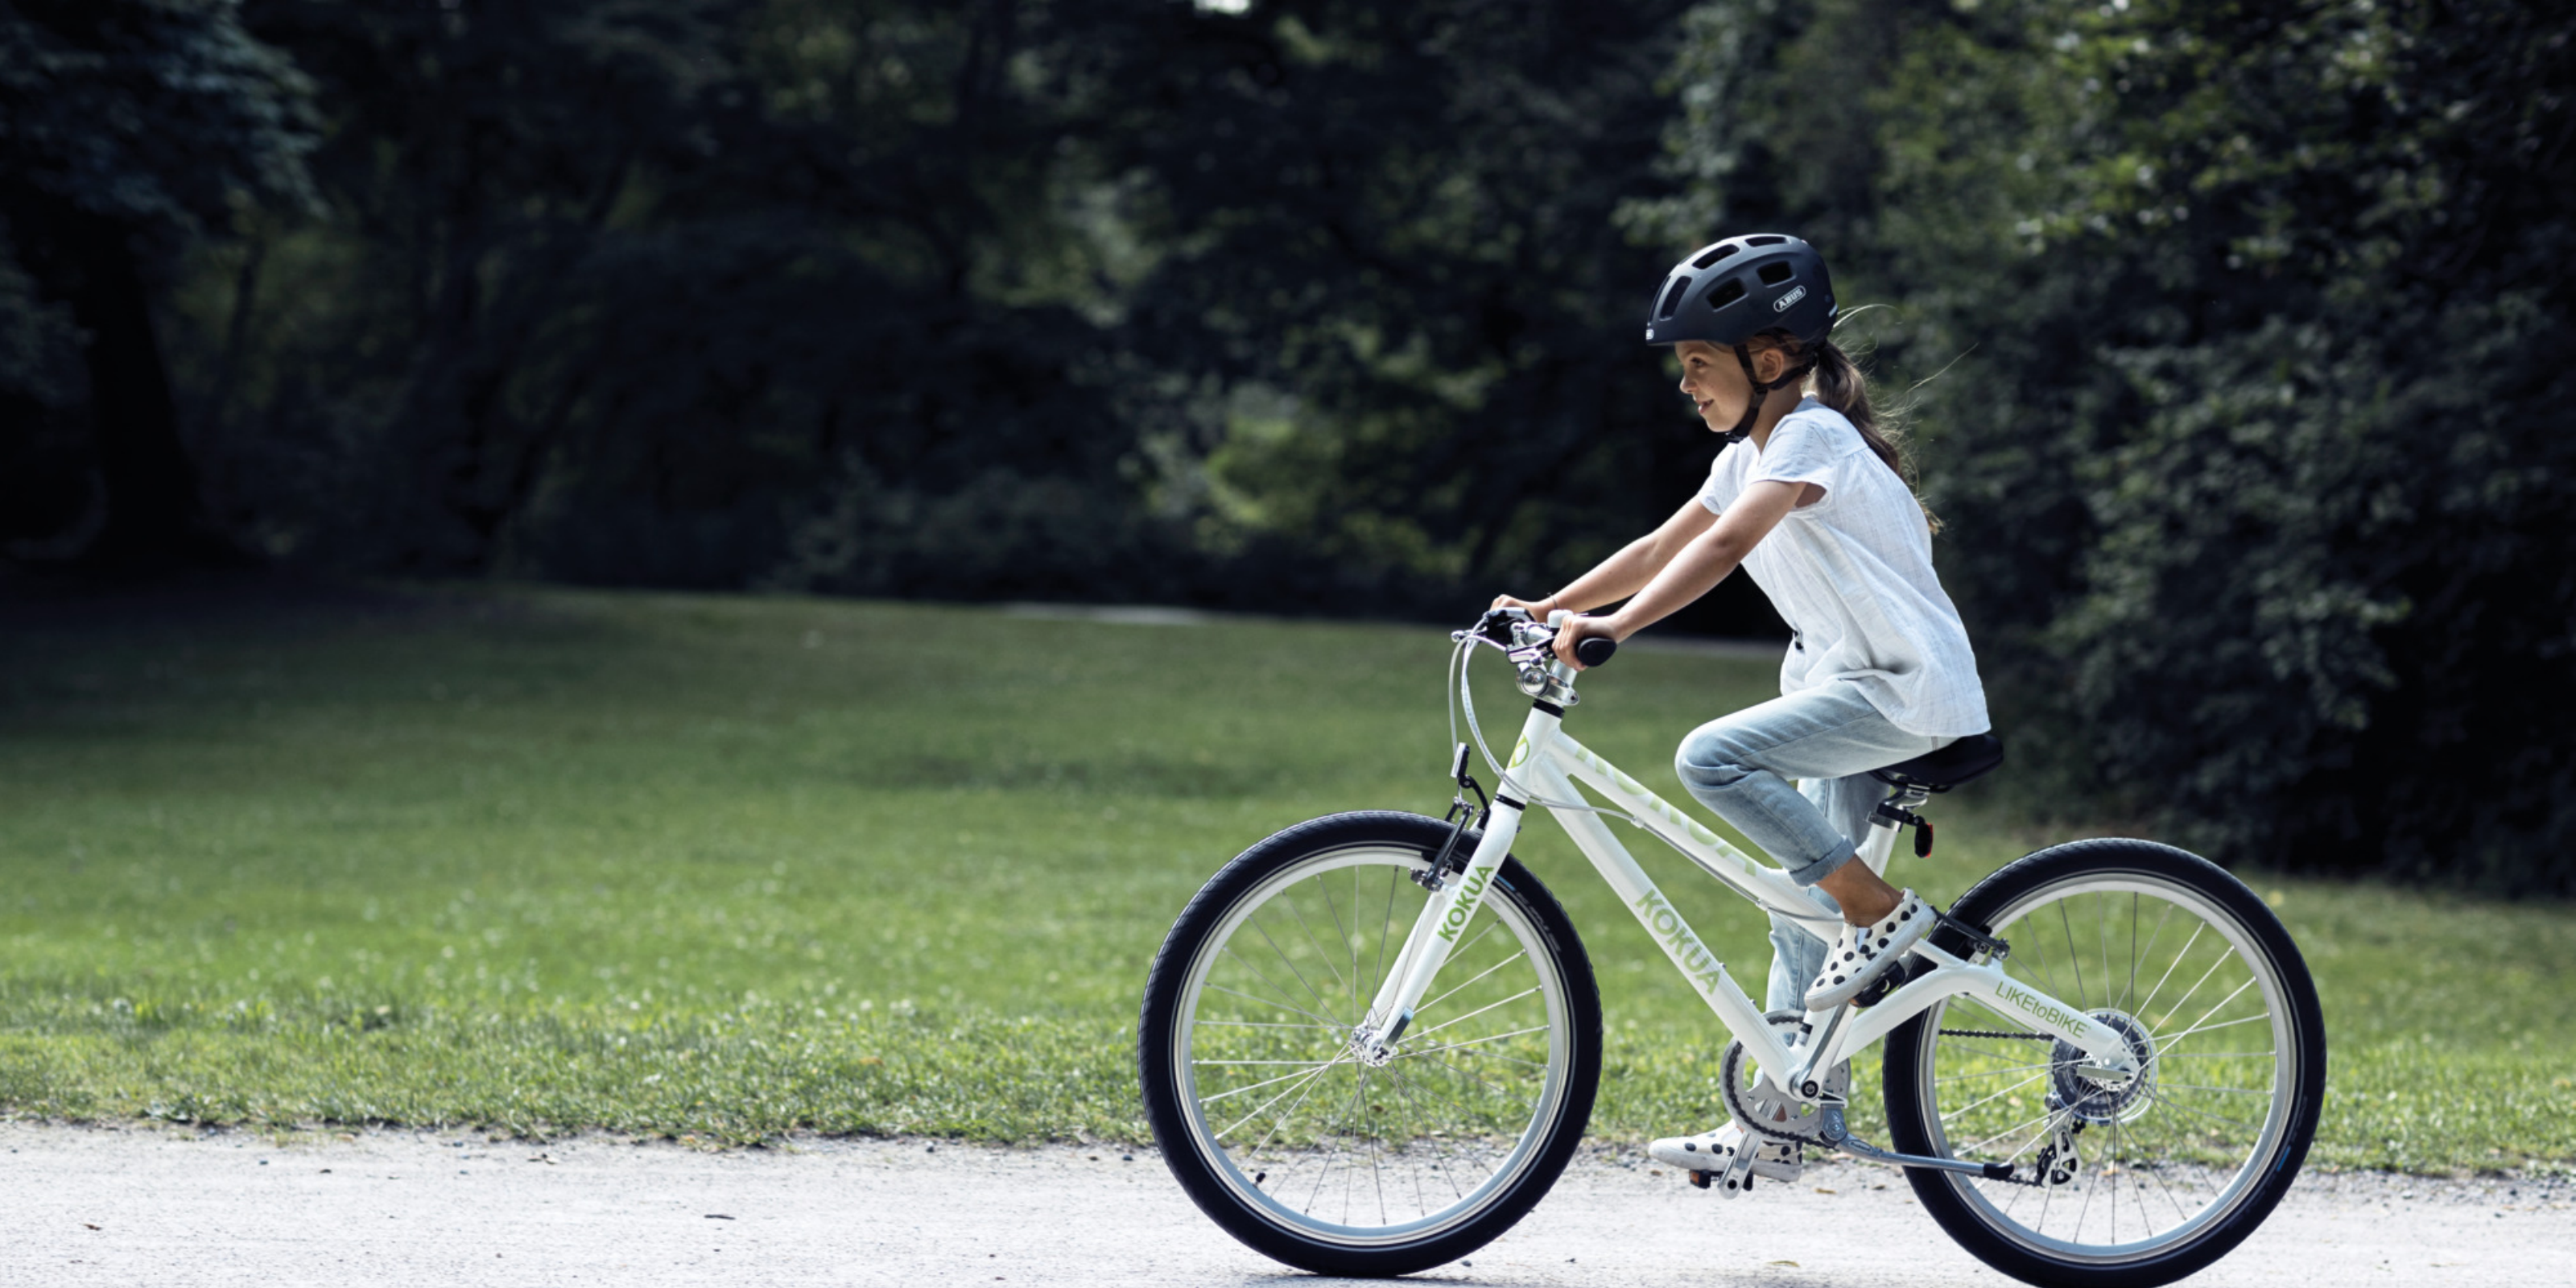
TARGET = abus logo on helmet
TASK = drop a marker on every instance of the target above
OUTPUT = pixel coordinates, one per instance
(1781, 305)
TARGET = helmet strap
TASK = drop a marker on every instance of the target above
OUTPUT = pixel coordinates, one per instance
(1761, 391)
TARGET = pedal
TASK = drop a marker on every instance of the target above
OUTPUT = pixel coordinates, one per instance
(1896, 977)
(1699, 1180)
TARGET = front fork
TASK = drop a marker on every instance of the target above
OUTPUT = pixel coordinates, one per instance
(1453, 902)
(1444, 920)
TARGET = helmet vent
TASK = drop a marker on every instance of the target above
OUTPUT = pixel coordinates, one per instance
(1773, 274)
(1720, 251)
(1766, 239)
(1672, 298)
(1727, 292)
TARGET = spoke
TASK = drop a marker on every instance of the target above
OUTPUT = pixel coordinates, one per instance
(1212, 1064)
(1478, 1011)
(1311, 1077)
(2106, 949)
(2180, 1216)
(1479, 937)
(2086, 1210)
(1476, 1078)
(2075, 960)
(1413, 1103)
(1284, 960)
(1429, 1089)
(1995, 1073)
(2116, 1171)
(1282, 1119)
(2136, 952)
(2225, 1091)
(2048, 967)
(2220, 1005)
(2163, 1056)
(1377, 1177)
(1324, 1022)
(2046, 1198)
(1262, 1024)
(1205, 1101)
(1426, 1006)
(1410, 1051)
(1448, 1155)
(2212, 1028)
(1996, 1096)
(2028, 1145)
(1284, 998)
(2170, 968)
(1326, 957)
(1342, 935)
(1324, 1170)
(1960, 1150)
(2185, 999)
(2171, 1103)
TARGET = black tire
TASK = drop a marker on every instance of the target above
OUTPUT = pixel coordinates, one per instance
(2174, 1167)
(1370, 1170)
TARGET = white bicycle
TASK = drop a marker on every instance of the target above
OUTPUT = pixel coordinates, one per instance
(1371, 1042)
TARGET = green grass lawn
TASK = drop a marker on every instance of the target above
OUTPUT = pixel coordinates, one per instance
(725, 868)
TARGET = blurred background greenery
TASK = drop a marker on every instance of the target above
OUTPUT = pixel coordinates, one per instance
(732, 867)
(2237, 338)
(2249, 323)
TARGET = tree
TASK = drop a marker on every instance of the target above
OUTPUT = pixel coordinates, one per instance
(2256, 461)
(1385, 240)
(132, 124)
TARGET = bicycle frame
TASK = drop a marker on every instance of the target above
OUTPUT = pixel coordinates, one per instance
(1545, 766)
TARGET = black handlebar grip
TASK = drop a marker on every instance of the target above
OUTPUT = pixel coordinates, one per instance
(1594, 650)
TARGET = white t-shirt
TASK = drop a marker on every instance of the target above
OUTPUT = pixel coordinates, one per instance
(1852, 575)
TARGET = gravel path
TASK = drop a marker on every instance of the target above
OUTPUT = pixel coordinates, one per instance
(146, 1206)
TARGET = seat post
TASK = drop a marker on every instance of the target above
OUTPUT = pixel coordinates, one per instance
(1897, 811)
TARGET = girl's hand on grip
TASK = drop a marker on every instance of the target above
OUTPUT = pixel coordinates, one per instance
(1579, 629)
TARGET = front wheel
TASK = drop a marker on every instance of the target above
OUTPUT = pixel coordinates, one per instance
(2117, 1182)
(1313, 1155)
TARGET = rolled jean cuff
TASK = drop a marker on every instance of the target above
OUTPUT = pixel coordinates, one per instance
(1824, 865)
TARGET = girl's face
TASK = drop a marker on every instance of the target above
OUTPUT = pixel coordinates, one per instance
(1714, 380)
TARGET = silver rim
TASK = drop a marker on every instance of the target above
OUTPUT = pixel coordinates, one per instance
(2163, 1158)
(1322, 1143)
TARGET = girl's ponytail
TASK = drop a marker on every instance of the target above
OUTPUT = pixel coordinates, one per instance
(1838, 383)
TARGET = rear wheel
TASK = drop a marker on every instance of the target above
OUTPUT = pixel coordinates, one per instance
(1323, 1160)
(2126, 1182)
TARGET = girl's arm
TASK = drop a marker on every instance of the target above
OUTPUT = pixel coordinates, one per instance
(1709, 555)
(1622, 574)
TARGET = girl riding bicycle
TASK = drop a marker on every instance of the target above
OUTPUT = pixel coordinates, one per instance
(1809, 496)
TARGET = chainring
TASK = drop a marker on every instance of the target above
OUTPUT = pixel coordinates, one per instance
(1763, 1109)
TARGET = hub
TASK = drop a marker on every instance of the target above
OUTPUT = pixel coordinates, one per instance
(1376, 1049)
(2105, 1098)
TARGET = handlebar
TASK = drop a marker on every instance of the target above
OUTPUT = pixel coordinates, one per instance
(1509, 628)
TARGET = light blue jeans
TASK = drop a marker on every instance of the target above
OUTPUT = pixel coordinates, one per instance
(1828, 738)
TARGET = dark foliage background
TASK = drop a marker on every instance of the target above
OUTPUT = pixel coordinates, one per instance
(2251, 426)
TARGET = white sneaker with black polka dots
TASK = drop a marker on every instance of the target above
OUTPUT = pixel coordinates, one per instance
(1863, 953)
(1727, 1148)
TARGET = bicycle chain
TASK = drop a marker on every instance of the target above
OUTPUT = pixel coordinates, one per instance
(1983, 1033)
